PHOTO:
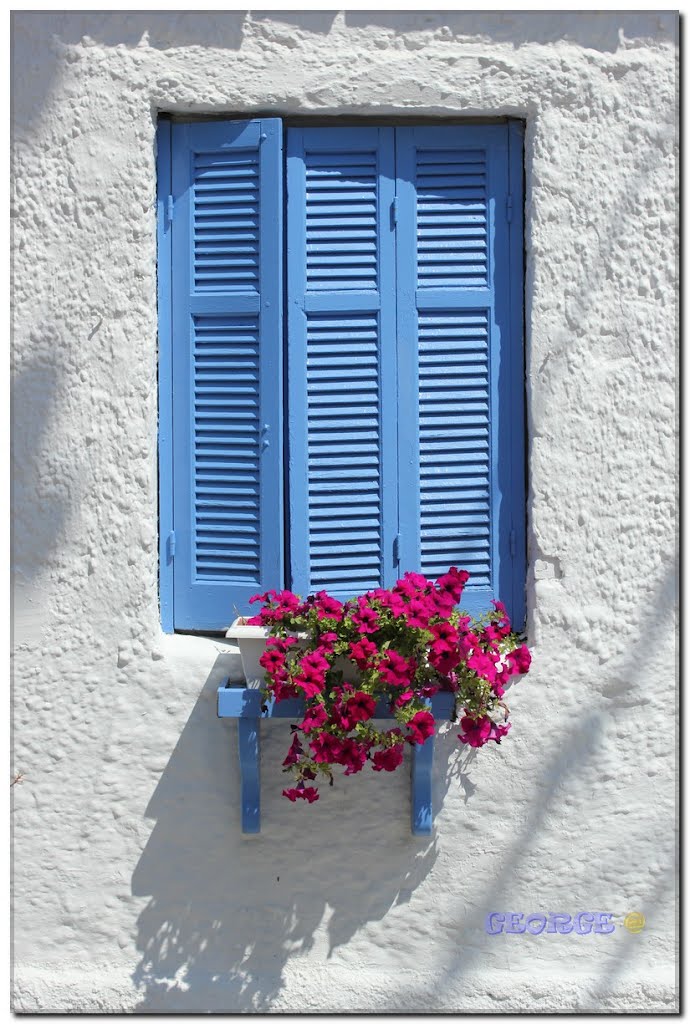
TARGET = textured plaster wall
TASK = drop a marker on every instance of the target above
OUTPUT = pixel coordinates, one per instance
(133, 886)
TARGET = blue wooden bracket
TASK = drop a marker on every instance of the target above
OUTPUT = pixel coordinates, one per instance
(422, 765)
(247, 706)
(248, 743)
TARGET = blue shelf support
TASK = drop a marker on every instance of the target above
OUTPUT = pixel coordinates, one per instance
(422, 765)
(245, 704)
(250, 782)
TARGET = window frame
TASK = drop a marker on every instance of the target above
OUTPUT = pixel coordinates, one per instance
(515, 353)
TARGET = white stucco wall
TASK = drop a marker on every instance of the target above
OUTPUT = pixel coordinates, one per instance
(133, 886)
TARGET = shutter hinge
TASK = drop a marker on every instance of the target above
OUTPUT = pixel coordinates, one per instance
(396, 550)
(394, 211)
(170, 209)
(171, 545)
(512, 543)
(509, 208)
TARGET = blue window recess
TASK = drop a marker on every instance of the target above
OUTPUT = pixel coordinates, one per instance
(341, 361)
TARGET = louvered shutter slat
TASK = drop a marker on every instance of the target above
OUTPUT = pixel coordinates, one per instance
(227, 265)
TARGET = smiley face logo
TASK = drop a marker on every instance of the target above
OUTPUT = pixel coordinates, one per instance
(634, 922)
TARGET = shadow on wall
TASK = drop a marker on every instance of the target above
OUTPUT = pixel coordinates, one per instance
(42, 494)
(578, 750)
(227, 911)
(599, 30)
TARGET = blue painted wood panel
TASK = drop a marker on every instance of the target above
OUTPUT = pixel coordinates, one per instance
(165, 377)
(405, 362)
(227, 263)
(341, 359)
(459, 314)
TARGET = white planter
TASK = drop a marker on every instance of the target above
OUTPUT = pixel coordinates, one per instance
(252, 644)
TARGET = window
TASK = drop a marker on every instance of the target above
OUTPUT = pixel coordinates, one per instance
(341, 361)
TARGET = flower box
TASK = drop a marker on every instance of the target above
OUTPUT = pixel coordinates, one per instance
(251, 641)
(406, 653)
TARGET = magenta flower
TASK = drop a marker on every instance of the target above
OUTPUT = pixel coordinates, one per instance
(421, 726)
(483, 664)
(396, 670)
(277, 606)
(497, 685)
(453, 582)
(310, 685)
(519, 660)
(353, 755)
(445, 632)
(403, 698)
(360, 707)
(327, 607)
(366, 619)
(417, 580)
(418, 613)
(282, 690)
(466, 644)
(312, 674)
(295, 752)
(387, 760)
(315, 717)
(272, 660)
(316, 661)
(390, 600)
(362, 652)
(302, 792)
(444, 657)
(499, 731)
(326, 748)
(429, 690)
(406, 587)
(475, 732)
(502, 627)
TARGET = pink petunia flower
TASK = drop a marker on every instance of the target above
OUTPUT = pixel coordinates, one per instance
(295, 752)
(353, 755)
(445, 632)
(366, 619)
(360, 707)
(519, 660)
(387, 760)
(396, 670)
(362, 652)
(403, 698)
(453, 582)
(475, 732)
(326, 748)
(315, 717)
(483, 664)
(421, 726)
(499, 731)
(272, 660)
(302, 792)
(327, 607)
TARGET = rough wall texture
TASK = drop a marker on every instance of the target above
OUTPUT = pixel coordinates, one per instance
(134, 888)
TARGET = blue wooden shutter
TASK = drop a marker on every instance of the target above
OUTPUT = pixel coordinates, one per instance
(341, 359)
(459, 266)
(226, 367)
